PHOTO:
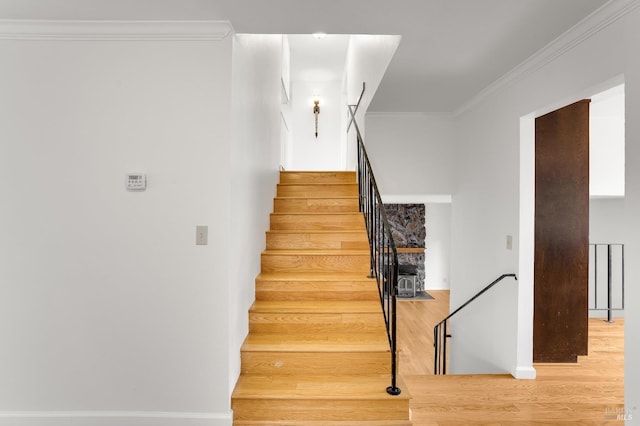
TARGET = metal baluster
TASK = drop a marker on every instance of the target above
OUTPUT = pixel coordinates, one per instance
(444, 349)
(393, 389)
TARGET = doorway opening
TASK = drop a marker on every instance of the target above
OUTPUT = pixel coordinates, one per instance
(606, 197)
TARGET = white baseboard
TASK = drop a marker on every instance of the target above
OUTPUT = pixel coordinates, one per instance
(435, 287)
(114, 418)
(525, 373)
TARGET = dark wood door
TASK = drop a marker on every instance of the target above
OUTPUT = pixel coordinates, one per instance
(560, 319)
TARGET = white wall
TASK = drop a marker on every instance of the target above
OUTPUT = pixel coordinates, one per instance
(438, 242)
(255, 157)
(631, 60)
(368, 57)
(487, 199)
(107, 307)
(309, 152)
(412, 158)
(606, 143)
(606, 220)
(317, 66)
(411, 153)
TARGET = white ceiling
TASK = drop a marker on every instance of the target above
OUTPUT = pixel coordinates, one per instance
(315, 59)
(450, 49)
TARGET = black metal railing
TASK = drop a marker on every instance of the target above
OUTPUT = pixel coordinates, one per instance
(614, 268)
(384, 256)
(440, 334)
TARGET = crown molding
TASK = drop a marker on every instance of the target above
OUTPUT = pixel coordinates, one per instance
(600, 19)
(114, 30)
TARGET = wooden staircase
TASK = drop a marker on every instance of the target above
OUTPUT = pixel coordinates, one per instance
(317, 352)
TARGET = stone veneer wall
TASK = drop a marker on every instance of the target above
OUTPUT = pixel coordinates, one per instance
(407, 223)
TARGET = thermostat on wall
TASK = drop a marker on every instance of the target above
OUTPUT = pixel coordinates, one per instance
(136, 182)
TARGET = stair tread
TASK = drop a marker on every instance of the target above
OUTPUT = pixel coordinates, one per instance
(325, 387)
(319, 172)
(316, 342)
(316, 306)
(316, 197)
(306, 183)
(313, 276)
(316, 213)
(322, 423)
(317, 231)
(316, 252)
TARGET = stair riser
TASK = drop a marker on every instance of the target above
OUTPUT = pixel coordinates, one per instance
(328, 190)
(318, 222)
(272, 363)
(324, 409)
(263, 322)
(329, 240)
(310, 291)
(283, 205)
(315, 263)
(317, 177)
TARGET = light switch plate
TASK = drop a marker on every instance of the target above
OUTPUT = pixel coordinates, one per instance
(202, 236)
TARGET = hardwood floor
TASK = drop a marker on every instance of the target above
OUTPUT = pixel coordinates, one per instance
(416, 319)
(590, 392)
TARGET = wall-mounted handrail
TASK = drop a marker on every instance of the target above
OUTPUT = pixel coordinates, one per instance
(440, 334)
(382, 248)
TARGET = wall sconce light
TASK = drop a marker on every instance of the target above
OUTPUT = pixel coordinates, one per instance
(316, 112)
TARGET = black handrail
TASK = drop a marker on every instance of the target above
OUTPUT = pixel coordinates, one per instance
(382, 248)
(440, 335)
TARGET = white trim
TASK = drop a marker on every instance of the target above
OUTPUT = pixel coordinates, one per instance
(601, 18)
(416, 198)
(103, 418)
(525, 373)
(114, 30)
(142, 414)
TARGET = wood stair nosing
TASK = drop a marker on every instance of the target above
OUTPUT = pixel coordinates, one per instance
(317, 177)
(307, 261)
(316, 342)
(315, 276)
(316, 239)
(316, 190)
(274, 322)
(289, 363)
(304, 386)
(326, 409)
(316, 291)
(331, 354)
(318, 307)
(322, 423)
(348, 204)
(333, 221)
(320, 397)
(316, 287)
